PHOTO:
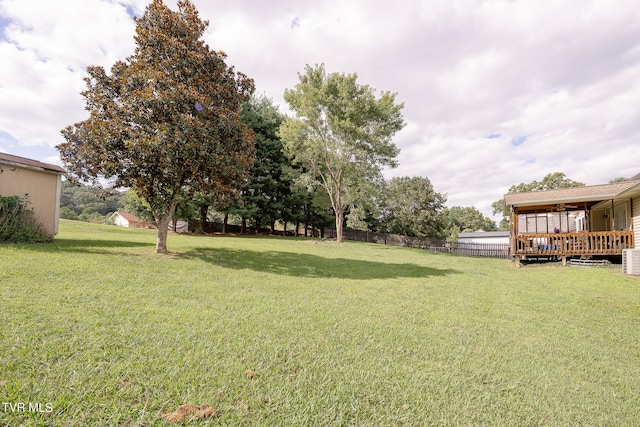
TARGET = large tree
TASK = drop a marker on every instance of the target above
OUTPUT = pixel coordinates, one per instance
(165, 121)
(466, 219)
(341, 134)
(266, 195)
(413, 208)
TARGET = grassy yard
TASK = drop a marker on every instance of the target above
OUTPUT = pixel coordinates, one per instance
(96, 330)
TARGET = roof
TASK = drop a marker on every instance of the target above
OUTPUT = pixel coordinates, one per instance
(589, 193)
(127, 216)
(30, 163)
(484, 234)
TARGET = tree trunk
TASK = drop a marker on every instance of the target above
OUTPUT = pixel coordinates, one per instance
(225, 223)
(338, 209)
(339, 224)
(204, 209)
(163, 229)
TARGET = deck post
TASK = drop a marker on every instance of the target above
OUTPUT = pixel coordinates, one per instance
(517, 261)
(513, 229)
(564, 260)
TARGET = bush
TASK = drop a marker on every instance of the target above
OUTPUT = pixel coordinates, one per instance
(67, 213)
(18, 223)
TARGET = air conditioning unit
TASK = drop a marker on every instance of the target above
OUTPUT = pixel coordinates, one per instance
(631, 261)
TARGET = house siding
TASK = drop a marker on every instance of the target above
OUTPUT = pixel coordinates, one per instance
(635, 202)
(598, 220)
(485, 240)
(120, 221)
(43, 189)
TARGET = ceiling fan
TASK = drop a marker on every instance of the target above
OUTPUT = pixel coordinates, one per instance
(562, 207)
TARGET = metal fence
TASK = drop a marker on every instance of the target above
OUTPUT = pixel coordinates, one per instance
(494, 250)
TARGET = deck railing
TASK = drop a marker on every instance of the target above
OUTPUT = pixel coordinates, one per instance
(586, 243)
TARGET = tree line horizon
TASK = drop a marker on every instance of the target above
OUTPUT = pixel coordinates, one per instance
(184, 131)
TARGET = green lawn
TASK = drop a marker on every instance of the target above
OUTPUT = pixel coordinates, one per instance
(98, 331)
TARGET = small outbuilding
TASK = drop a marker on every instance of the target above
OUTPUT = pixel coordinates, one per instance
(40, 182)
(125, 219)
(483, 243)
(490, 237)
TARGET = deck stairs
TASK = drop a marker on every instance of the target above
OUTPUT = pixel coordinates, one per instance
(588, 261)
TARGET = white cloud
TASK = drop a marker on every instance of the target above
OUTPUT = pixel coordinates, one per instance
(559, 76)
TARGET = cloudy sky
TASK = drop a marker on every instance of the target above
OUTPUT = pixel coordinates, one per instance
(496, 92)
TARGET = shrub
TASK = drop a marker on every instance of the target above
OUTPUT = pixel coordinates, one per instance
(67, 213)
(18, 223)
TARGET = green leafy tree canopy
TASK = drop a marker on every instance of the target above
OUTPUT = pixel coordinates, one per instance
(265, 196)
(467, 219)
(414, 208)
(166, 120)
(341, 134)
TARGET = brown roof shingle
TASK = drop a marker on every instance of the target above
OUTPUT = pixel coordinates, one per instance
(129, 217)
(573, 194)
(23, 161)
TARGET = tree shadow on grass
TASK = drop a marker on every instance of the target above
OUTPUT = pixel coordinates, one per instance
(84, 245)
(311, 266)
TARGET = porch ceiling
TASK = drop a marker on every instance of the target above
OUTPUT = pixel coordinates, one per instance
(568, 207)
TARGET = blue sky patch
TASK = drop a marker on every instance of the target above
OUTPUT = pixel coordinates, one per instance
(519, 140)
(131, 12)
(4, 23)
(10, 145)
(493, 136)
(7, 138)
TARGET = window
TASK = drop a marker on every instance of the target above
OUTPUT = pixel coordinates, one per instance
(620, 217)
(546, 223)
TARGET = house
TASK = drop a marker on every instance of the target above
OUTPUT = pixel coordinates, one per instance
(41, 182)
(179, 226)
(488, 237)
(483, 243)
(596, 220)
(125, 219)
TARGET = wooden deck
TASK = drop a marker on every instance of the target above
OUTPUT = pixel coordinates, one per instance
(571, 244)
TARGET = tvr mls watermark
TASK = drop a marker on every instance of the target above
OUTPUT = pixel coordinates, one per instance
(27, 407)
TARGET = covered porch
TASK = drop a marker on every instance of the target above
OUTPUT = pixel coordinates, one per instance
(574, 222)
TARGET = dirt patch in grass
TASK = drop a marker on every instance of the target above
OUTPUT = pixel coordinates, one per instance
(184, 411)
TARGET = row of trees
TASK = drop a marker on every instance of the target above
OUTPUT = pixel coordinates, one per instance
(406, 205)
(181, 129)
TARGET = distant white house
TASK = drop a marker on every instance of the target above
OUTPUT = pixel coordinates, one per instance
(125, 219)
(181, 226)
(484, 237)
